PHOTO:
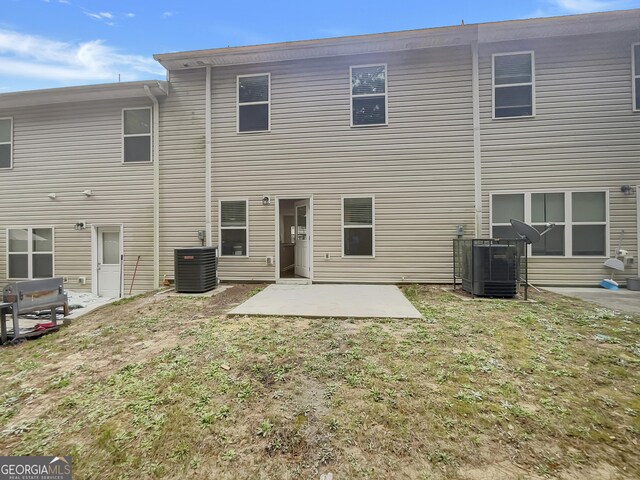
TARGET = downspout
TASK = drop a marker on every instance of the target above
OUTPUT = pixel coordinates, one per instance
(207, 155)
(156, 187)
(477, 152)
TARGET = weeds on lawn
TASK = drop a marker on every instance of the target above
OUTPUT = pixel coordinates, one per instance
(547, 389)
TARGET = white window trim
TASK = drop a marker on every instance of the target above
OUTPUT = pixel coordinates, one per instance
(30, 252)
(10, 142)
(150, 135)
(263, 102)
(532, 83)
(220, 227)
(386, 95)
(372, 226)
(634, 76)
(568, 218)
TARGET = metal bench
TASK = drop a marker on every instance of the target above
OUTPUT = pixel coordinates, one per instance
(31, 296)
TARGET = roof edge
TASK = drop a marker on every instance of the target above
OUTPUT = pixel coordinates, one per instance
(441, 36)
(83, 93)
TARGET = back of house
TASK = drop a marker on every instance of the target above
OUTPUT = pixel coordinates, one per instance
(354, 159)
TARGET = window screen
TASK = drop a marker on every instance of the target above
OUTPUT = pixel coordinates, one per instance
(548, 208)
(369, 95)
(504, 207)
(580, 220)
(233, 228)
(30, 253)
(513, 85)
(636, 76)
(6, 136)
(253, 103)
(589, 223)
(137, 135)
(358, 224)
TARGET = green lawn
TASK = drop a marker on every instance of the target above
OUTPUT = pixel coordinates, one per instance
(160, 387)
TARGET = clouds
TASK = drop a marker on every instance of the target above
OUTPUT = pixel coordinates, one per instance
(31, 56)
(106, 17)
(100, 15)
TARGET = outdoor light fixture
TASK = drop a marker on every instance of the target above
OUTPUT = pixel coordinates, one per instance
(87, 193)
(626, 189)
(266, 200)
(52, 196)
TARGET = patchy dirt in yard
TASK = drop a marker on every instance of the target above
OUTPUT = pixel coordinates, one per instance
(123, 346)
(161, 387)
(499, 471)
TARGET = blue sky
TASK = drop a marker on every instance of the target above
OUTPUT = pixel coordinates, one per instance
(53, 43)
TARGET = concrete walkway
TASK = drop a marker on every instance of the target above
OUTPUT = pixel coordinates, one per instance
(622, 300)
(336, 301)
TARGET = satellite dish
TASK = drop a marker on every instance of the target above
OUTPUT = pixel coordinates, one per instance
(525, 231)
(615, 263)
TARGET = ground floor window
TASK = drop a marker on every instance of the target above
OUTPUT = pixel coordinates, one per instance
(234, 218)
(358, 232)
(29, 253)
(581, 220)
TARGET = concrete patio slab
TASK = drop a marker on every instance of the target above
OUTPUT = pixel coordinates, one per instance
(336, 301)
(622, 300)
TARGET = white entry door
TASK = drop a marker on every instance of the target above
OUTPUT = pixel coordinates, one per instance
(108, 257)
(302, 251)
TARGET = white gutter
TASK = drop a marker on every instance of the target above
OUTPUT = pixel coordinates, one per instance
(156, 187)
(477, 152)
(207, 156)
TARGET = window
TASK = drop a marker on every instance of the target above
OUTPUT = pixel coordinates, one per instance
(30, 253)
(548, 208)
(368, 95)
(580, 220)
(589, 228)
(253, 103)
(504, 208)
(136, 128)
(635, 67)
(6, 139)
(234, 216)
(513, 85)
(357, 225)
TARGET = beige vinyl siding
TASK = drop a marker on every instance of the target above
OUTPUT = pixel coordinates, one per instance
(182, 165)
(584, 136)
(419, 167)
(66, 149)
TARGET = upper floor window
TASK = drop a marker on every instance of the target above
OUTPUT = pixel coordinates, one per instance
(136, 131)
(635, 66)
(513, 85)
(368, 95)
(6, 140)
(29, 253)
(358, 236)
(580, 218)
(254, 95)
